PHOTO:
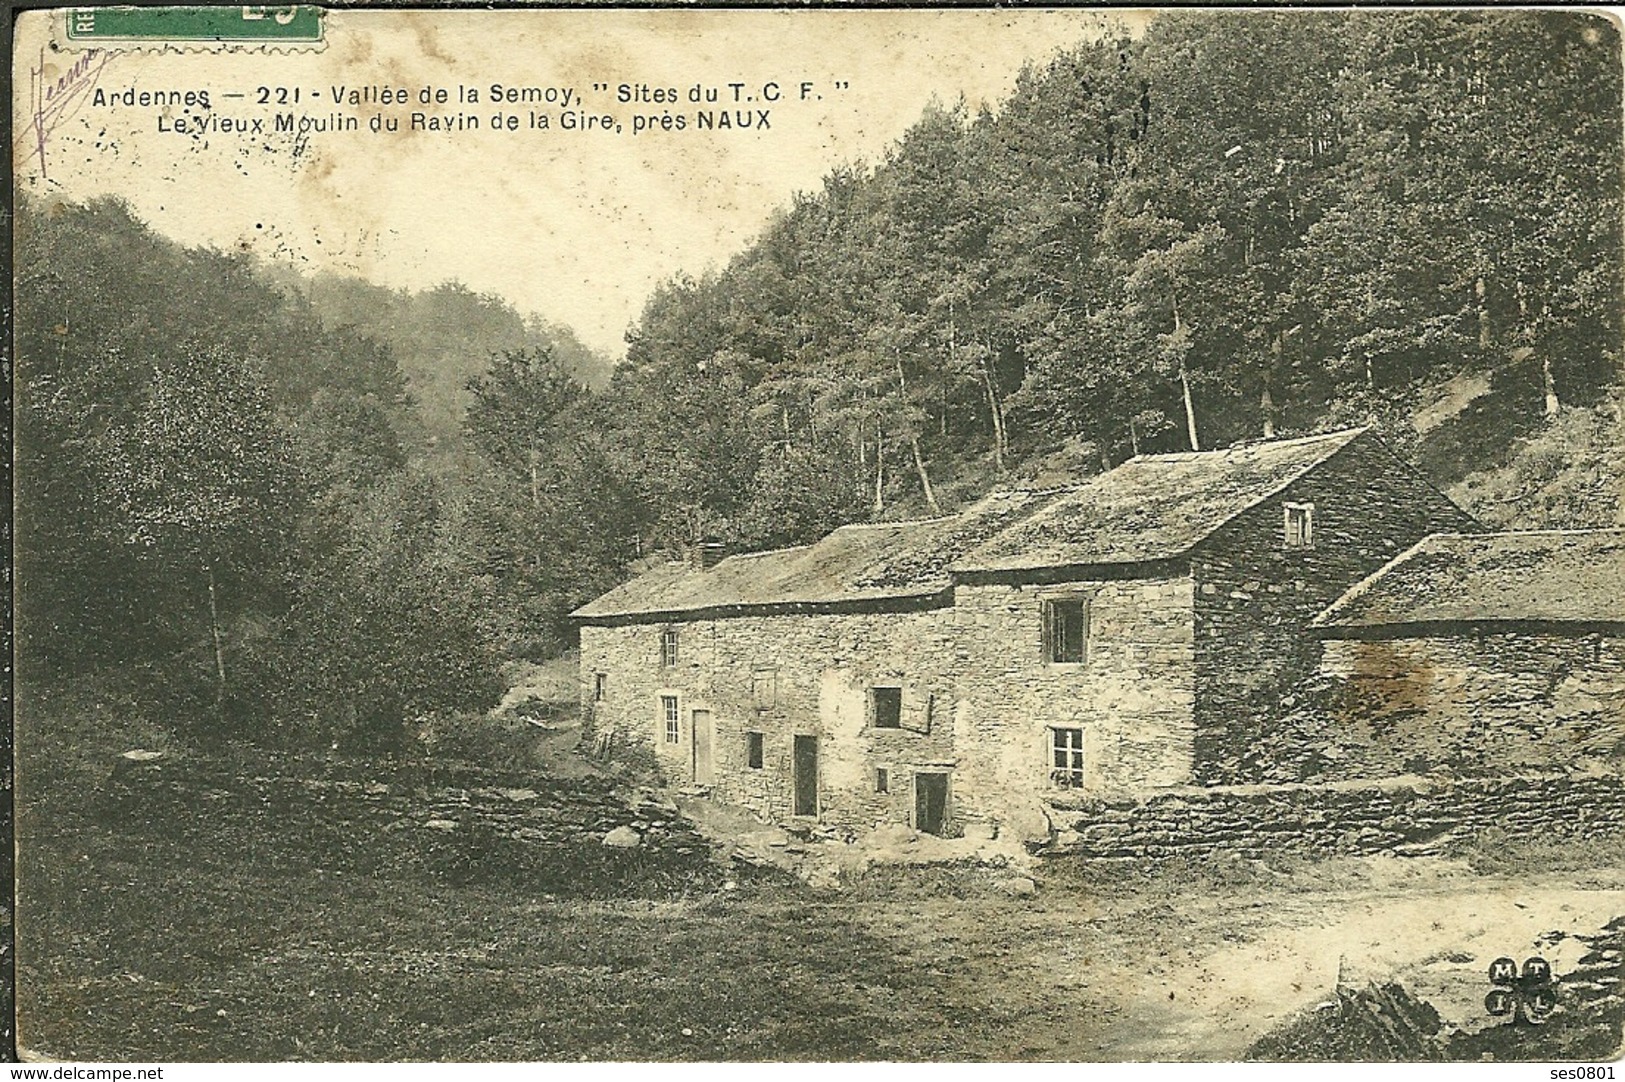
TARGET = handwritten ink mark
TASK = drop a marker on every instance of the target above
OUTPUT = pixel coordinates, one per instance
(52, 104)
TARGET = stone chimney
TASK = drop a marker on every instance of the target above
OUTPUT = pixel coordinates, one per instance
(707, 554)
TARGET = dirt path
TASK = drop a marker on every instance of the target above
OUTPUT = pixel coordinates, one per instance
(1438, 944)
(1152, 976)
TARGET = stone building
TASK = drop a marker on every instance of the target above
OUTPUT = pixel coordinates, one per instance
(1483, 654)
(1123, 633)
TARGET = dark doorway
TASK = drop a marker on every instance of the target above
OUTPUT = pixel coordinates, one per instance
(704, 734)
(805, 763)
(930, 802)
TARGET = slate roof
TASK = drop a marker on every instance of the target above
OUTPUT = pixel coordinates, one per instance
(1153, 507)
(1546, 577)
(1149, 508)
(871, 562)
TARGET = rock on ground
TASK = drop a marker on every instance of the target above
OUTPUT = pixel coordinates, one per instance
(1016, 886)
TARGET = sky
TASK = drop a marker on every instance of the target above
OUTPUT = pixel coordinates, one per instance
(576, 224)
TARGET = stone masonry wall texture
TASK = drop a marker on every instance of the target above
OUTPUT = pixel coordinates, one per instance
(1476, 704)
(1255, 596)
(979, 699)
(784, 676)
(1185, 667)
(1408, 814)
(1132, 696)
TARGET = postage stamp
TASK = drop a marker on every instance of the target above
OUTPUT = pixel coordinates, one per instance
(897, 534)
(112, 27)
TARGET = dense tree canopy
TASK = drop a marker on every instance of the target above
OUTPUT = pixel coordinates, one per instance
(1240, 225)
(325, 507)
(210, 488)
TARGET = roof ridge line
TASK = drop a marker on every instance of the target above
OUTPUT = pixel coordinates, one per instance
(1048, 490)
(1359, 589)
(1352, 434)
(894, 522)
(761, 552)
(1290, 441)
(1561, 531)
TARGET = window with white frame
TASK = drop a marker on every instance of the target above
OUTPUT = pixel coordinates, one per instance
(668, 712)
(1066, 758)
(668, 647)
(1299, 525)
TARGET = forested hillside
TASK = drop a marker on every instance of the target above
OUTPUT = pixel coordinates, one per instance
(321, 507)
(213, 497)
(1242, 225)
(441, 339)
(227, 501)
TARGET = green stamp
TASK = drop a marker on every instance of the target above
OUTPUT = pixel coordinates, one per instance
(292, 23)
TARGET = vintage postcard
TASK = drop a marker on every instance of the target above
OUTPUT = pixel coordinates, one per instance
(819, 535)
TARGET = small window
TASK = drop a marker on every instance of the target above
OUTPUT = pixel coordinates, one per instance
(668, 708)
(600, 686)
(764, 687)
(882, 780)
(753, 750)
(668, 647)
(1066, 630)
(1300, 525)
(888, 707)
(1066, 758)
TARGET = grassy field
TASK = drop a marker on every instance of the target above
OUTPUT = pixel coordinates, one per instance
(211, 932)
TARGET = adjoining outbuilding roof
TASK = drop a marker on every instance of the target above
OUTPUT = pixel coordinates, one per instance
(866, 565)
(1152, 507)
(1448, 582)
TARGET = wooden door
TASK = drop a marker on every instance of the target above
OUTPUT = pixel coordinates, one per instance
(804, 766)
(930, 802)
(704, 729)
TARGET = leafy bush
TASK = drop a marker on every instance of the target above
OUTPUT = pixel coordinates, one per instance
(502, 742)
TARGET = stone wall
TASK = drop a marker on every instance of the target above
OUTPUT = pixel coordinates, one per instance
(1255, 597)
(1132, 696)
(1408, 814)
(1476, 704)
(422, 817)
(979, 699)
(783, 676)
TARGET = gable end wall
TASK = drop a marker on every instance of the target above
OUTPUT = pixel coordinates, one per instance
(1255, 597)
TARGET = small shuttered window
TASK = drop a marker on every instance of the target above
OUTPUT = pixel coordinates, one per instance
(1066, 630)
(888, 707)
